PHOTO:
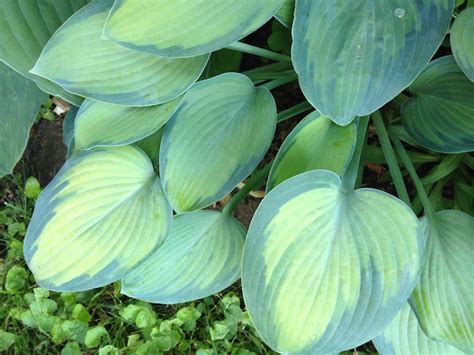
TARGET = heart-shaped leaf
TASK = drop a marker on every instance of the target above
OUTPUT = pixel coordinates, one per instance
(20, 101)
(103, 213)
(440, 115)
(200, 257)
(103, 124)
(443, 300)
(315, 143)
(325, 269)
(462, 41)
(404, 336)
(285, 13)
(353, 57)
(216, 138)
(81, 61)
(25, 28)
(185, 28)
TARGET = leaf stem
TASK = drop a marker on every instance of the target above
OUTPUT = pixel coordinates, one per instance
(360, 171)
(280, 81)
(261, 52)
(272, 70)
(254, 182)
(390, 157)
(425, 201)
(294, 111)
(350, 176)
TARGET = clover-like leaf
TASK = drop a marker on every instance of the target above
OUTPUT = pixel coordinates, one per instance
(102, 214)
(103, 124)
(326, 269)
(352, 57)
(185, 28)
(315, 143)
(443, 301)
(25, 28)
(200, 257)
(440, 115)
(462, 41)
(20, 101)
(215, 139)
(404, 336)
(81, 61)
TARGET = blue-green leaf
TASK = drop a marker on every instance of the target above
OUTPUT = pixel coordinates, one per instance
(103, 124)
(103, 213)
(20, 101)
(25, 28)
(151, 145)
(285, 13)
(440, 115)
(68, 127)
(404, 336)
(200, 257)
(353, 57)
(443, 301)
(315, 143)
(81, 61)
(185, 28)
(325, 269)
(215, 139)
(462, 41)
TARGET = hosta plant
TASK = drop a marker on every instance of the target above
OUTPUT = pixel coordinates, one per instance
(166, 126)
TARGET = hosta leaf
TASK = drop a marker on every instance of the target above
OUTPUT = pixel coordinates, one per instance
(103, 124)
(462, 41)
(215, 139)
(68, 126)
(223, 61)
(20, 101)
(184, 28)
(78, 59)
(151, 145)
(316, 143)
(404, 336)
(324, 269)
(353, 57)
(101, 215)
(443, 299)
(25, 28)
(285, 13)
(440, 115)
(200, 257)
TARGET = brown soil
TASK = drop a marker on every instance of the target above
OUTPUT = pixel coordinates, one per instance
(46, 152)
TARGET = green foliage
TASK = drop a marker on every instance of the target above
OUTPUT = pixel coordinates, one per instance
(176, 112)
